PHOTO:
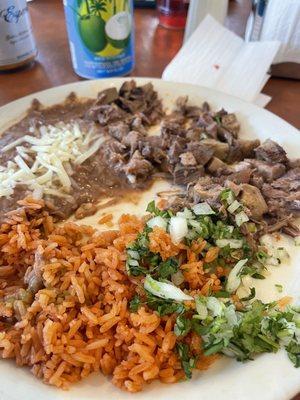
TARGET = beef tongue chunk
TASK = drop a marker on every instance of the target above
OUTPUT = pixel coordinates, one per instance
(138, 168)
(184, 175)
(271, 152)
(107, 96)
(220, 149)
(268, 171)
(230, 122)
(105, 114)
(252, 198)
(132, 140)
(176, 149)
(206, 189)
(118, 130)
(200, 151)
(150, 148)
(217, 167)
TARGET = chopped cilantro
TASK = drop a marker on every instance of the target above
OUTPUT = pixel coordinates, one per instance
(251, 295)
(162, 306)
(187, 362)
(167, 268)
(279, 288)
(182, 326)
(135, 303)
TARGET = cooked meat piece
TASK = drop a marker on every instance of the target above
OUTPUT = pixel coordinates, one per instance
(221, 150)
(201, 152)
(194, 134)
(130, 106)
(116, 147)
(268, 171)
(186, 175)
(271, 152)
(294, 206)
(181, 104)
(175, 151)
(242, 176)
(205, 106)
(216, 166)
(85, 210)
(257, 180)
(206, 189)
(127, 87)
(278, 225)
(239, 149)
(137, 124)
(138, 167)
(132, 140)
(33, 275)
(225, 136)
(107, 96)
(118, 130)
(105, 114)
(207, 122)
(176, 203)
(187, 159)
(230, 122)
(143, 99)
(294, 163)
(290, 181)
(212, 130)
(150, 148)
(171, 131)
(252, 198)
(248, 147)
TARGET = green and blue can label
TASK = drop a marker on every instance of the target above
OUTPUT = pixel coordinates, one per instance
(101, 37)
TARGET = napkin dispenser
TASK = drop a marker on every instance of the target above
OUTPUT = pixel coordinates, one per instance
(278, 20)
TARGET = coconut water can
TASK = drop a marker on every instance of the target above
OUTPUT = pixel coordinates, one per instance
(101, 37)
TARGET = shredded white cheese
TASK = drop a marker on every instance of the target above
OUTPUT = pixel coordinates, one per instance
(43, 162)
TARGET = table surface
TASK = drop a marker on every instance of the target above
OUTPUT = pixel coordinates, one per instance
(156, 46)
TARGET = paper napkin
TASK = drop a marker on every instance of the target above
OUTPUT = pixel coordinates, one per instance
(217, 58)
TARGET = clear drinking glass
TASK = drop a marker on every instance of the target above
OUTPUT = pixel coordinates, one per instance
(172, 13)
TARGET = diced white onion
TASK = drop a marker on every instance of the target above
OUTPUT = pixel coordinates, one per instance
(157, 221)
(233, 243)
(215, 306)
(165, 290)
(203, 209)
(231, 315)
(234, 281)
(233, 206)
(240, 218)
(178, 228)
(201, 307)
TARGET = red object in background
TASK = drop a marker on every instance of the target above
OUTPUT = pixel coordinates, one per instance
(172, 13)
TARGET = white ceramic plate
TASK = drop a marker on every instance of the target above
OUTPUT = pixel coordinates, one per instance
(270, 376)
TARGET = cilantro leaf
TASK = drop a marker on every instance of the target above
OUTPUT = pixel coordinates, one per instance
(187, 362)
(135, 303)
(167, 268)
(182, 326)
(251, 295)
